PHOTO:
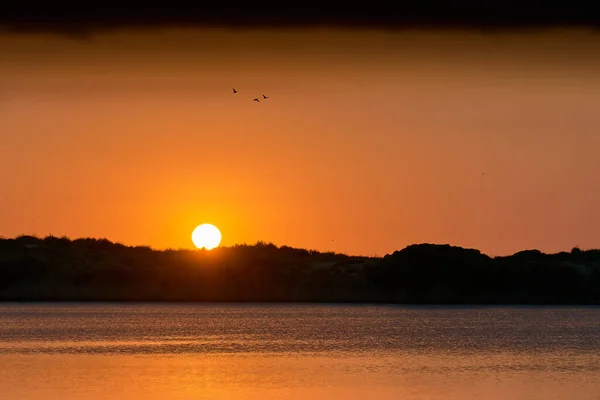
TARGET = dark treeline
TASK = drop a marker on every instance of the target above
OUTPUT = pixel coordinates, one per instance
(60, 269)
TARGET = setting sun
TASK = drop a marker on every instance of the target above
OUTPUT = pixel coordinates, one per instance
(206, 236)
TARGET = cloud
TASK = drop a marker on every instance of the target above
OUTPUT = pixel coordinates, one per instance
(89, 17)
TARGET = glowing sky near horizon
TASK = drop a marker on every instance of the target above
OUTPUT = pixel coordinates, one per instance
(369, 142)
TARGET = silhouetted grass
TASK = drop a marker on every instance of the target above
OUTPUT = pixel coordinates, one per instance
(60, 269)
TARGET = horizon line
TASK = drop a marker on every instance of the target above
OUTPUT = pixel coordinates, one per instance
(279, 246)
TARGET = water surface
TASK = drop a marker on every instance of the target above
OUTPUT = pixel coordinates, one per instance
(159, 351)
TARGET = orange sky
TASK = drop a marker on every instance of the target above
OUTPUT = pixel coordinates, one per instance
(136, 137)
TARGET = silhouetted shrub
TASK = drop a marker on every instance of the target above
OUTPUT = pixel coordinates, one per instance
(96, 269)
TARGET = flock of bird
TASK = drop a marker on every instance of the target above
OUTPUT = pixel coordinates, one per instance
(256, 99)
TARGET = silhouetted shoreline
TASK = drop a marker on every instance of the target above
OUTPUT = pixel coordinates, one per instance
(97, 270)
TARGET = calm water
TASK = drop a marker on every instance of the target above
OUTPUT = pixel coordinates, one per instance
(149, 351)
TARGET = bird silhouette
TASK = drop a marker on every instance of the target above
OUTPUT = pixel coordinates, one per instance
(257, 100)
(265, 97)
(234, 91)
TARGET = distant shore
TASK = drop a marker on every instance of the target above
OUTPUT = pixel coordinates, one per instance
(96, 270)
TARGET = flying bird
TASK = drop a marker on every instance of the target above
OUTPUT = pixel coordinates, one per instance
(257, 100)
(265, 97)
(234, 91)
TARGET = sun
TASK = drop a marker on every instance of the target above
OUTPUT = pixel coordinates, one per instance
(206, 236)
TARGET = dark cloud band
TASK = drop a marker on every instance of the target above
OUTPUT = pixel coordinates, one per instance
(395, 15)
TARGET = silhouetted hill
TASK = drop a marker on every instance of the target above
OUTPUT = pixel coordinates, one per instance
(60, 269)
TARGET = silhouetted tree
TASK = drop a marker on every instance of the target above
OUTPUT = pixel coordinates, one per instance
(96, 269)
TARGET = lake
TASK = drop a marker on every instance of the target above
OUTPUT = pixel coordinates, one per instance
(254, 351)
